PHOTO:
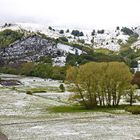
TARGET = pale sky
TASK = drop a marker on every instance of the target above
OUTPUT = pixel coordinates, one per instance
(77, 13)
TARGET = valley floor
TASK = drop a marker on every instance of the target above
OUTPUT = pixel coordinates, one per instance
(27, 117)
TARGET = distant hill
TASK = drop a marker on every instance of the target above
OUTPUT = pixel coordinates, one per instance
(25, 42)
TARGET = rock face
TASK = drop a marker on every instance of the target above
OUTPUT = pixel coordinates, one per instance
(30, 49)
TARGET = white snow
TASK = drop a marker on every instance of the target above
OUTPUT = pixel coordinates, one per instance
(68, 49)
(59, 61)
(100, 40)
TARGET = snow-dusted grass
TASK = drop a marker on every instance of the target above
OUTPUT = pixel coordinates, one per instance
(29, 117)
(81, 126)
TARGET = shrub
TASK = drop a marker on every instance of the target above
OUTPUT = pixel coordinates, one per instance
(133, 109)
(93, 33)
(27, 68)
(101, 31)
(119, 41)
(77, 33)
(46, 59)
(133, 38)
(42, 70)
(62, 88)
(67, 31)
(61, 31)
(64, 39)
(13, 88)
(82, 41)
(58, 73)
(29, 93)
(127, 31)
(8, 36)
(117, 28)
(92, 40)
(81, 34)
(50, 28)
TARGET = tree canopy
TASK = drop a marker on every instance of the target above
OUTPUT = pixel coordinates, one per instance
(99, 83)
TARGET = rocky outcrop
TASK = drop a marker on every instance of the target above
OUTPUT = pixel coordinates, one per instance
(30, 49)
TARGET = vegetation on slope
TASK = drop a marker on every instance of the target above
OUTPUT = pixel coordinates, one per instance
(9, 36)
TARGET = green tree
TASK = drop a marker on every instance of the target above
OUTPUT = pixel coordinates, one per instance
(131, 93)
(27, 68)
(99, 83)
(58, 73)
(42, 70)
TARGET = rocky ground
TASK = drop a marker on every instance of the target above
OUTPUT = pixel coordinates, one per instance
(26, 117)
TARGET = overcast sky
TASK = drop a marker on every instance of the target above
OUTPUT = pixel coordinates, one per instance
(78, 13)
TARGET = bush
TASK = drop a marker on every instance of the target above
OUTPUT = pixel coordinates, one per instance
(81, 34)
(101, 31)
(82, 41)
(27, 68)
(8, 36)
(133, 38)
(117, 28)
(42, 70)
(29, 93)
(50, 28)
(127, 31)
(13, 88)
(64, 39)
(61, 31)
(119, 41)
(9, 70)
(62, 88)
(67, 31)
(133, 109)
(77, 33)
(46, 60)
(58, 73)
(93, 33)
(92, 40)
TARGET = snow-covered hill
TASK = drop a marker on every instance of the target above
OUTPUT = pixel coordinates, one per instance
(32, 48)
(109, 39)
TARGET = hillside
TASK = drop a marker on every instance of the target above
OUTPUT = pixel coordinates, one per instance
(32, 48)
(100, 38)
(24, 42)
